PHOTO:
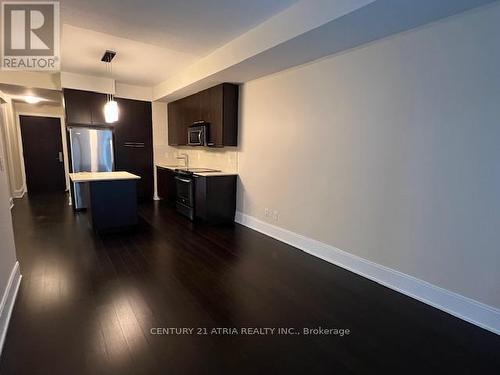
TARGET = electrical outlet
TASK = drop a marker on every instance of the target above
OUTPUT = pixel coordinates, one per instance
(275, 215)
(267, 212)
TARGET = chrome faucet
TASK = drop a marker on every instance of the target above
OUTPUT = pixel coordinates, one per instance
(184, 157)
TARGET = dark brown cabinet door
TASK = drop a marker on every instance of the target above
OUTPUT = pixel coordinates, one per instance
(77, 105)
(177, 131)
(166, 184)
(217, 106)
(174, 119)
(134, 123)
(84, 107)
(211, 112)
(134, 144)
(97, 103)
(138, 161)
(230, 102)
(215, 198)
(43, 154)
(192, 110)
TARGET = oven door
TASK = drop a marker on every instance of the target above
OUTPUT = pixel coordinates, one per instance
(185, 191)
(185, 196)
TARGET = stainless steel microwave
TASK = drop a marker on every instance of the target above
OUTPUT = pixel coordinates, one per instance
(197, 134)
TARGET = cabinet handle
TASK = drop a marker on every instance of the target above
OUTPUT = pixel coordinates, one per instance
(183, 180)
(134, 144)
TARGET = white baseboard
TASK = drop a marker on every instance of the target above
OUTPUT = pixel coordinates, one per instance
(8, 301)
(472, 311)
(19, 193)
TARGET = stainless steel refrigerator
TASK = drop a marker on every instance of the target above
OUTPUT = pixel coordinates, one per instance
(91, 151)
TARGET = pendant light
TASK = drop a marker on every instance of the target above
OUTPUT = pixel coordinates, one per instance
(111, 106)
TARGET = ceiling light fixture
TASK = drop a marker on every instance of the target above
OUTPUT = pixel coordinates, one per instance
(111, 106)
(32, 99)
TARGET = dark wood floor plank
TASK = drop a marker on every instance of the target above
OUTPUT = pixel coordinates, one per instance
(88, 302)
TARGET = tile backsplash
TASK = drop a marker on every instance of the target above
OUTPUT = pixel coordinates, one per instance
(225, 159)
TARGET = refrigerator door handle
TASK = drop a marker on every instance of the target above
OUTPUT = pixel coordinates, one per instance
(111, 151)
(60, 157)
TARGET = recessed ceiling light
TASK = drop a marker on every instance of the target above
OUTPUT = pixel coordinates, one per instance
(32, 99)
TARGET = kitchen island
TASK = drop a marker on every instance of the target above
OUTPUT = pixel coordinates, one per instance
(111, 199)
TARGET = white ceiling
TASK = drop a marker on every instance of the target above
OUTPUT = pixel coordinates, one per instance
(135, 63)
(18, 93)
(153, 39)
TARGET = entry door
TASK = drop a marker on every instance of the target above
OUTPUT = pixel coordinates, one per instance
(43, 154)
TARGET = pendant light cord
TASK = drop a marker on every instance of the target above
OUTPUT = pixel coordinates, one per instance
(108, 60)
(111, 75)
(107, 73)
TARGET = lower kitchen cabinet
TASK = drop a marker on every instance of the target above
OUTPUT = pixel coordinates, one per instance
(137, 160)
(166, 184)
(215, 198)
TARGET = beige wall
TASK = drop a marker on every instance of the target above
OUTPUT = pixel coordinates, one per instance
(7, 247)
(390, 152)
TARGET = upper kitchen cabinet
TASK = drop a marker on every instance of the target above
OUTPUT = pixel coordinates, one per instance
(84, 107)
(77, 107)
(176, 137)
(97, 109)
(134, 122)
(181, 114)
(218, 106)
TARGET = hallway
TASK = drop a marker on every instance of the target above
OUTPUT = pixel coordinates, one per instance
(88, 304)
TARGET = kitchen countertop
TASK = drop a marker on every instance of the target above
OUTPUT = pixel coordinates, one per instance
(202, 174)
(102, 176)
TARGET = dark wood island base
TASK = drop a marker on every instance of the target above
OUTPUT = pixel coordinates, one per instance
(111, 199)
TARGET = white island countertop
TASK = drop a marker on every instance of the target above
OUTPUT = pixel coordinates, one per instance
(102, 176)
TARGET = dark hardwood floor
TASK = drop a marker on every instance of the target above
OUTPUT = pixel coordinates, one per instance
(87, 305)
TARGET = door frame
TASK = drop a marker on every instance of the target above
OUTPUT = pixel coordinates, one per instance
(3, 152)
(63, 138)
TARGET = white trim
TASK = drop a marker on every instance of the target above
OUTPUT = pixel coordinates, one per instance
(8, 116)
(155, 183)
(462, 307)
(106, 86)
(8, 301)
(19, 193)
(11, 203)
